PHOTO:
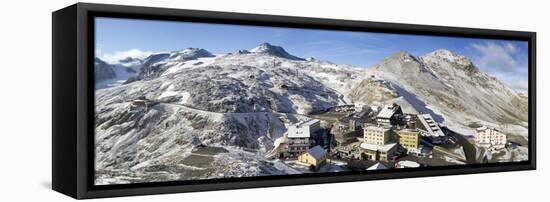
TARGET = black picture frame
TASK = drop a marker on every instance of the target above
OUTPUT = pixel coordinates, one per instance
(73, 99)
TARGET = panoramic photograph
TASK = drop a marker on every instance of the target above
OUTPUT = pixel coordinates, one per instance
(179, 101)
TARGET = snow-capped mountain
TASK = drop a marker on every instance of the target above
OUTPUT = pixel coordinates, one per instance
(278, 51)
(155, 65)
(103, 70)
(134, 63)
(109, 75)
(243, 99)
(452, 87)
(240, 99)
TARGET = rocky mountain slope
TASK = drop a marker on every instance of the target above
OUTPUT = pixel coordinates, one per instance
(450, 86)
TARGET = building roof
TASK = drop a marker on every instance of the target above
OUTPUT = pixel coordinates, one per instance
(376, 128)
(484, 128)
(387, 112)
(408, 164)
(429, 124)
(382, 148)
(317, 152)
(300, 134)
(377, 166)
(408, 130)
(302, 124)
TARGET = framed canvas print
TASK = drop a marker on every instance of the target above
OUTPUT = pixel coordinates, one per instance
(154, 100)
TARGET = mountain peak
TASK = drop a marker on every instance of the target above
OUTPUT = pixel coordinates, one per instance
(98, 61)
(190, 54)
(266, 48)
(402, 55)
(450, 56)
(128, 59)
(399, 63)
(192, 51)
(436, 58)
(443, 52)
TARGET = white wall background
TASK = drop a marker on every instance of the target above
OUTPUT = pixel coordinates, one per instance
(25, 105)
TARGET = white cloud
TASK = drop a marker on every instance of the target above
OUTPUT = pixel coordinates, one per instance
(510, 48)
(520, 85)
(98, 50)
(505, 61)
(498, 57)
(119, 55)
(516, 82)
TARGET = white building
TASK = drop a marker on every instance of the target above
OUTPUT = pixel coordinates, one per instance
(299, 134)
(388, 114)
(490, 138)
(407, 164)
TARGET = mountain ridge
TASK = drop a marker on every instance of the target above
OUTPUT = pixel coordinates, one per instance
(266, 48)
(438, 73)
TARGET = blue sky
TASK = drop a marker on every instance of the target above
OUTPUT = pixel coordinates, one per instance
(118, 38)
